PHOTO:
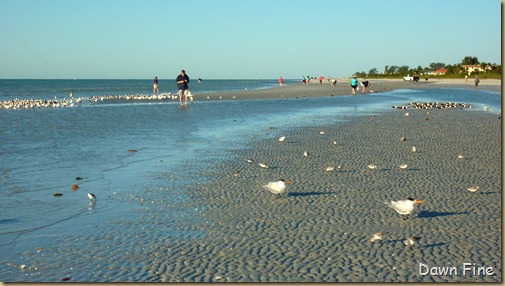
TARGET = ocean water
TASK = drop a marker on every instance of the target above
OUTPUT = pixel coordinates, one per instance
(50, 89)
(44, 238)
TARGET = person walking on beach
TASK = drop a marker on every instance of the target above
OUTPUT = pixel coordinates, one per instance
(155, 85)
(466, 78)
(476, 81)
(354, 84)
(364, 84)
(281, 81)
(182, 83)
(321, 79)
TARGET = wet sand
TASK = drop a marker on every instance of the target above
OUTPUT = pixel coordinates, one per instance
(321, 231)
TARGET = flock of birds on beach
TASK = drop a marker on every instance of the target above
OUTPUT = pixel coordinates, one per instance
(403, 207)
(71, 102)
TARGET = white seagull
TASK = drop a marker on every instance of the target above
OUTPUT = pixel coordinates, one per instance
(405, 207)
(277, 188)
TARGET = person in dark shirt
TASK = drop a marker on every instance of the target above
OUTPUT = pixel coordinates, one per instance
(182, 83)
(155, 85)
(365, 84)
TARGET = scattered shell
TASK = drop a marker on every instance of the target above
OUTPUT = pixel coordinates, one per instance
(413, 149)
(322, 132)
(404, 166)
(460, 156)
(281, 139)
(330, 168)
(372, 166)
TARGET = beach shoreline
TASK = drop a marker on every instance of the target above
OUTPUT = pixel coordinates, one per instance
(314, 89)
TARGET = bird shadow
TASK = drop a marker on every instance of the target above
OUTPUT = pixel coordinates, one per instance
(299, 194)
(488, 193)
(428, 214)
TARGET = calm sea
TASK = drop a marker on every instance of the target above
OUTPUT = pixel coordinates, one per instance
(43, 238)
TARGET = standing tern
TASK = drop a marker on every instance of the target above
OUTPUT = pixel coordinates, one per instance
(404, 208)
(278, 187)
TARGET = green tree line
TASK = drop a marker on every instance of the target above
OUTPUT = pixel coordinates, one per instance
(492, 70)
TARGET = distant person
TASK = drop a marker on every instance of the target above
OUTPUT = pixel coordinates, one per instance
(308, 80)
(281, 81)
(321, 79)
(155, 85)
(354, 84)
(476, 81)
(466, 78)
(304, 80)
(334, 82)
(365, 84)
(200, 80)
(328, 78)
(182, 83)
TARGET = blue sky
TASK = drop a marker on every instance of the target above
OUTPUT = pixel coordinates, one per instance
(247, 39)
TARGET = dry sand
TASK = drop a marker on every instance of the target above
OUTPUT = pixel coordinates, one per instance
(321, 231)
